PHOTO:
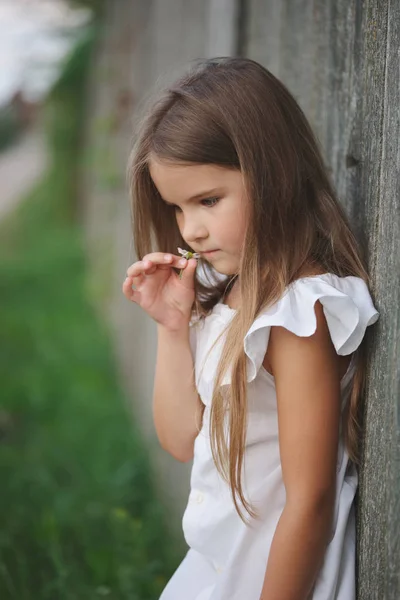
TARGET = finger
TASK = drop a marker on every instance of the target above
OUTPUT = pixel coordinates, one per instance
(131, 283)
(136, 269)
(131, 294)
(162, 258)
(127, 287)
(151, 268)
(137, 281)
(188, 273)
(135, 297)
(139, 268)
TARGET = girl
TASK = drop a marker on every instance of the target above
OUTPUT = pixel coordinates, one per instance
(259, 364)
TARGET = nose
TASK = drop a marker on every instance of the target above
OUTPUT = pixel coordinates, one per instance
(192, 229)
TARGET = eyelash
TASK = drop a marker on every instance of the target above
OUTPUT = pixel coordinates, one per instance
(178, 209)
(213, 198)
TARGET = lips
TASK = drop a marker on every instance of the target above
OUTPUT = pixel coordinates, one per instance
(209, 252)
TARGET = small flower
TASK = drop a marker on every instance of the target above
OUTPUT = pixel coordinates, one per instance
(187, 254)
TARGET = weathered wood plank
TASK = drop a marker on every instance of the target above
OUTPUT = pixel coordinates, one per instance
(341, 61)
(379, 552)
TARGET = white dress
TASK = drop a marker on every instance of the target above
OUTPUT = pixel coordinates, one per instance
(227, 559)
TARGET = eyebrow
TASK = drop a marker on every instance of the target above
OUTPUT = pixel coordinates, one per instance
(201, 195)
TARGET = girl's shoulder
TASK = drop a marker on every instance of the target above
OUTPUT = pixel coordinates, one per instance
(347, 306)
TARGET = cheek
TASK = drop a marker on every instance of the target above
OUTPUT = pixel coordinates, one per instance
(236, 225)
(179, 221)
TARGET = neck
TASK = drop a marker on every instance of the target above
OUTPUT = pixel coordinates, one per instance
(231, 296)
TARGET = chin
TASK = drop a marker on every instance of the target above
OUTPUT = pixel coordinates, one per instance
(223, 267)
(227, 270)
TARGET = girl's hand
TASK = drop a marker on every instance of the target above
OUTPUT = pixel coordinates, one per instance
(167, 298)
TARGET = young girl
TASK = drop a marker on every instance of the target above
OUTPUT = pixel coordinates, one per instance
(260, 364)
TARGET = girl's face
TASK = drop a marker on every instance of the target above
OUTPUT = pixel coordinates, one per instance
(210, 208)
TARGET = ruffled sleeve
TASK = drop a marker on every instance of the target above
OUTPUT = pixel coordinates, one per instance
(347, 306)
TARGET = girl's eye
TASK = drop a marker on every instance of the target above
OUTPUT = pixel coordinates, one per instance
(210, 202)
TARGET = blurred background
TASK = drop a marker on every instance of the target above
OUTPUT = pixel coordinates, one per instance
(90, 506)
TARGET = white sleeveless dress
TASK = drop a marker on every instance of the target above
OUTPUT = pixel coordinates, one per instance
(227, 559)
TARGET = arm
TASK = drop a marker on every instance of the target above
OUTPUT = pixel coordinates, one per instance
(176, 403)
(152, 284)
(307, 380)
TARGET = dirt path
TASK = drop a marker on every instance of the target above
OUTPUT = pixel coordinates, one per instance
(20, 167)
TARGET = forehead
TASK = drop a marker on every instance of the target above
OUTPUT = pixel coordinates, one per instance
(181, 181)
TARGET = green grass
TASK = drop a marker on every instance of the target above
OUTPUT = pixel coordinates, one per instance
(78, 514)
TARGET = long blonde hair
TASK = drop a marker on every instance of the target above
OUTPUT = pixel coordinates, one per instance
(234, 113)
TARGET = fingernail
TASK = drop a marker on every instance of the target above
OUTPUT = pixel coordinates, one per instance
(168, 257)
(182, 262)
